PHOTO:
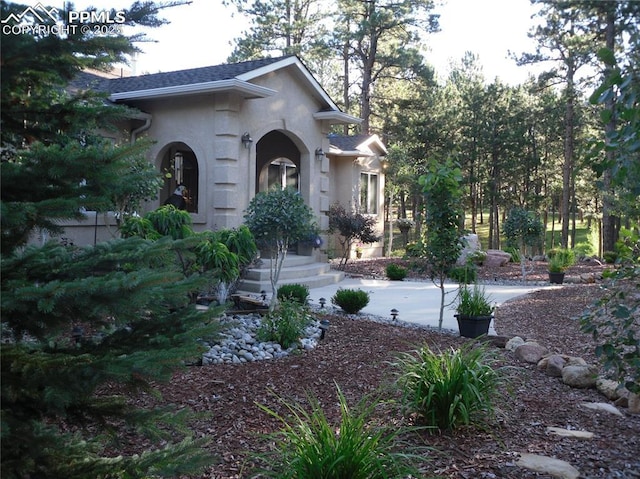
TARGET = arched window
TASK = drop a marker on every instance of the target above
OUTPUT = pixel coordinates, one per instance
(180, 167)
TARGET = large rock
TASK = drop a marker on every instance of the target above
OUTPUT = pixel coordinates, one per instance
(471, 245)
(530, 352)
(608, 388)
(555, 365)
(496, 257)
(579, 376)
(513, 343)
(602, 406)
(548, 465)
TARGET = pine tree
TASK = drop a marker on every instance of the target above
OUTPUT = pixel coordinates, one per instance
(85, 330)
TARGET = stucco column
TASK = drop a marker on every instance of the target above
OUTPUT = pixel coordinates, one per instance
(230, 157)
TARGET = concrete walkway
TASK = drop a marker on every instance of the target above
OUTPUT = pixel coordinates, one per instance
(417, 302)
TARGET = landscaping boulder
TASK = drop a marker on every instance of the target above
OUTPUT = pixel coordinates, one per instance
(496, 257)
(579, 376)
(530, 352)
(471, 245)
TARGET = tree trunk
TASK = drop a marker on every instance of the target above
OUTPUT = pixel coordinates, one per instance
(567, 167)
(345, 83)
(609, 231)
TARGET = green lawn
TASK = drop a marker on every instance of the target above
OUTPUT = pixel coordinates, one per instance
(586, 240)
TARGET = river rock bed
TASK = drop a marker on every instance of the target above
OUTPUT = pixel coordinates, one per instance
(240, 344)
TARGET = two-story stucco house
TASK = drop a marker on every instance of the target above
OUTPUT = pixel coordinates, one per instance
(229, 131)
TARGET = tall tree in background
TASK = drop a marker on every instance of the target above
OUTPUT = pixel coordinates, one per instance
(83, 328)
(379, 38)
(282, 27)
(467, 80)
(561, 41)
(616, 26)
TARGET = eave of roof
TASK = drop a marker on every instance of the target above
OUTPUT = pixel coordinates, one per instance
(337, 117)
(334, 151)
(245, 89)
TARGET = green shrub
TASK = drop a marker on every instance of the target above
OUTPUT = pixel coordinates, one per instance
(449, 389)
(285, 324)
(466, 274)
(566, 257)
(556, 264)
(350, 300)
(294, 292)
(614, 323)
(309, 446)
(474, 302)
(396, 272)
(477, 257)
(610, 257)
(584, 249)
(515, 254)
(416, 250)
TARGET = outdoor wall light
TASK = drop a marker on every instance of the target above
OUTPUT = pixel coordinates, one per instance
(394, 314)
(247, 140)
(319, 154)
(324, 327)
(323, 301)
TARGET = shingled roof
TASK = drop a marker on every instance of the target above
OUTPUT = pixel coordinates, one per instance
(237, 77)
(188, 77)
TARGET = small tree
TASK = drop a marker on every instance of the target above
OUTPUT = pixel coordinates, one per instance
(351, 226)
(522, 229)
(277, 219)
(442, 194)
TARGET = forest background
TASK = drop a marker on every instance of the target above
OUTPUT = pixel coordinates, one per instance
(540, 145)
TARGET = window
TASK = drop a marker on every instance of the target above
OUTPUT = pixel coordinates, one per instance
(284, 174)
(369, 193)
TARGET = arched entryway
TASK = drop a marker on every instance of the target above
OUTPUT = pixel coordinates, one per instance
(277, 162)
(179, 166)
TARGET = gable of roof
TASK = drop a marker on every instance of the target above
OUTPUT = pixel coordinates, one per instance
(356, 145)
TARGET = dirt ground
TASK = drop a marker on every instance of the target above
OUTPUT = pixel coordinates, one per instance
(356, 355)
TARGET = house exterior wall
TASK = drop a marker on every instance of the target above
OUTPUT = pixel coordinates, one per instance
(345, 179)
(212, 126)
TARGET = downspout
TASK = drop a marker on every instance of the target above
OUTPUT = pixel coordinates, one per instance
(147, 124)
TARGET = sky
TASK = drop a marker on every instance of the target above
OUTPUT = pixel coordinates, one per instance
(200, 34)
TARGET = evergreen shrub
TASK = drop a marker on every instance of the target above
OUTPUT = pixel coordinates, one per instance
(415, 250)
(350, 300)
(294, 292)
(285, 324)
(396, 272)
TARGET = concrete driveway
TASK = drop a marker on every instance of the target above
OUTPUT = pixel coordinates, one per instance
(417, 302)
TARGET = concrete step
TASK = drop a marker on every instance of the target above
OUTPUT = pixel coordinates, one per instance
(263, 273)
(314, 275)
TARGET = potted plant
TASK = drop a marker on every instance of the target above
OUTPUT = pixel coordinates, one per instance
(556, 268)
(474, 311)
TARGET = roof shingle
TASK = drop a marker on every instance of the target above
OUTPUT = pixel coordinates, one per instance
(186, 77)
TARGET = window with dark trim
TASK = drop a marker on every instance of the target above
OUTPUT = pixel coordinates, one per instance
(369, 193)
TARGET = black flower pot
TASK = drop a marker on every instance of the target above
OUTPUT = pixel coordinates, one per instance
(473, 326)
(556, 278)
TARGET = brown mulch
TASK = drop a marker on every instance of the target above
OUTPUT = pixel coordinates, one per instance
(356, 355)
